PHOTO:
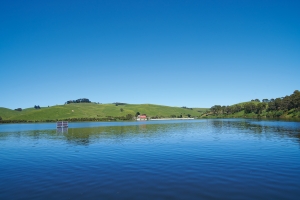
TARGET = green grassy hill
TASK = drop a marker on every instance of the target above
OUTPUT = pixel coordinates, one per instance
(6, 113)
(92, 110)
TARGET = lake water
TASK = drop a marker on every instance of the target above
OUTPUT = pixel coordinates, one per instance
(197, 159)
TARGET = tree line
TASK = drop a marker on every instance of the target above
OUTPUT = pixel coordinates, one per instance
(82, 100)
(286, 103)
(273, 107)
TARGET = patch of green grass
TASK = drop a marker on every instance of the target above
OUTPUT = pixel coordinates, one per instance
(6, 113)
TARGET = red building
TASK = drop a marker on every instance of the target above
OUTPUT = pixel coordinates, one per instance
(142, 117)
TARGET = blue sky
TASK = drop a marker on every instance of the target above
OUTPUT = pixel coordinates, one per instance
(176, 53)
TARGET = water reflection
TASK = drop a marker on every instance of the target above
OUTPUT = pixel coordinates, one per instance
(84, 136)
(258, 128)
(62, 130)
(88, 135)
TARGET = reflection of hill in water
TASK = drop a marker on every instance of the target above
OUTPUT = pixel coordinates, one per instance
(117, 133)
(88, 135)
(84, 136)
(260, 128)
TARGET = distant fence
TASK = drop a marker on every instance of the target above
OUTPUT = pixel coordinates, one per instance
(62, 124)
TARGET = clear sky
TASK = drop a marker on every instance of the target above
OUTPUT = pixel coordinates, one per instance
(176, 53)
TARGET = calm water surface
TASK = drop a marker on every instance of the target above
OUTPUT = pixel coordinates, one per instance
(199, 159)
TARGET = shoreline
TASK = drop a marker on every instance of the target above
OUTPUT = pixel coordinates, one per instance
(171, 119)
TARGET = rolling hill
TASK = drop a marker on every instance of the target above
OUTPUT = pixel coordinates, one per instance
(95, 111)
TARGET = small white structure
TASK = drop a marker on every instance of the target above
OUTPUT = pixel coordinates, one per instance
(62, 124)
